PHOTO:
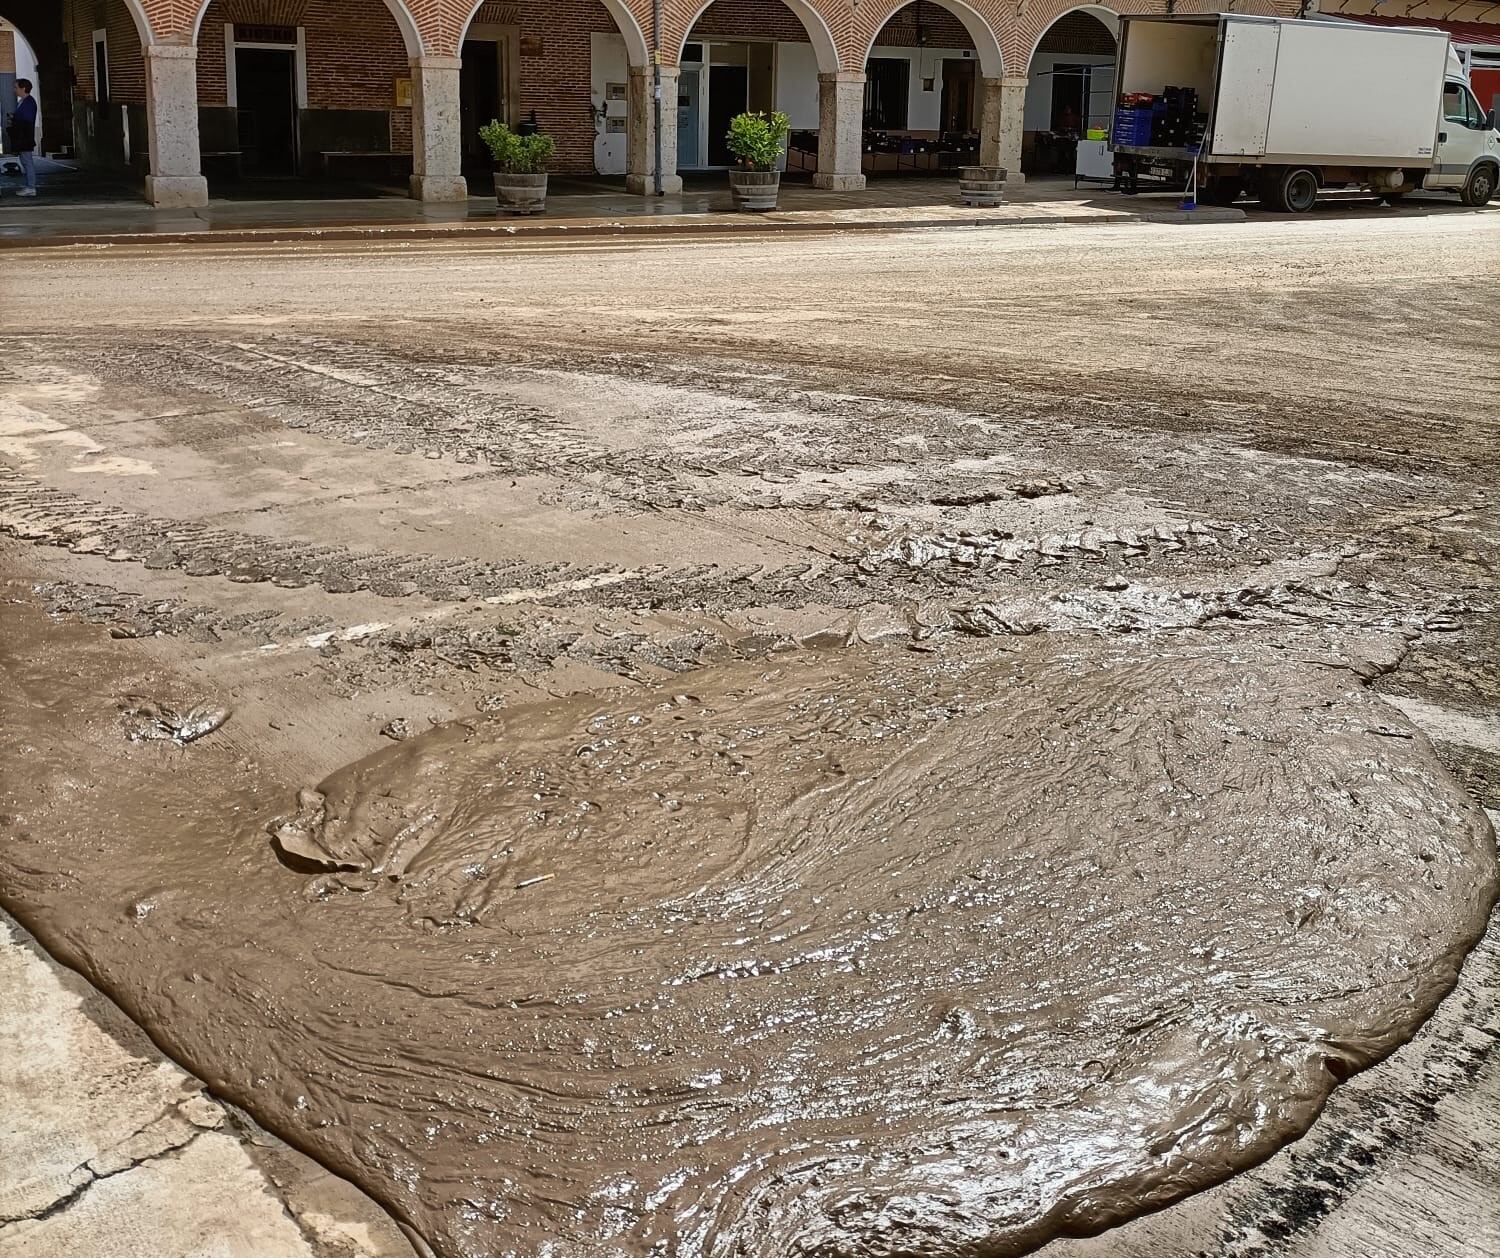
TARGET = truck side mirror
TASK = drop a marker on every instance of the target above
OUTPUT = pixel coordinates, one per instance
(1489, 121)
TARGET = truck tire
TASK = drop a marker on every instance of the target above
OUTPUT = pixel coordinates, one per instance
(1294, 189)
(1481, 186)
(1223, 190)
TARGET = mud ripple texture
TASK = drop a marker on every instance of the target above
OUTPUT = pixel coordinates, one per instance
(859, 953)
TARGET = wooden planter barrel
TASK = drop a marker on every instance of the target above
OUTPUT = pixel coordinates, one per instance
(982, 185)
(754, 189)
(521, 194)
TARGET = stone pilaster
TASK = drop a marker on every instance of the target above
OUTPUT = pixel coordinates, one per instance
(989, 122)
(437, 145)
(1011, 122)
(641, 161)
(176, 180)
(841, 132)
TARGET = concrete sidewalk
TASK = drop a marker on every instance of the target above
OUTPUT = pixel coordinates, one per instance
(582, 210)
(108, 1148)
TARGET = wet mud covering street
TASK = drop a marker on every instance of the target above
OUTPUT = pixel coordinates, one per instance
(946, 754)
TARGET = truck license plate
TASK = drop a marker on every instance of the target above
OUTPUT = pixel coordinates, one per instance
(1161, 172)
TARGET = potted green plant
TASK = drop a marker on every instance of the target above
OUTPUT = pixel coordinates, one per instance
(520, 166)
(759, 141)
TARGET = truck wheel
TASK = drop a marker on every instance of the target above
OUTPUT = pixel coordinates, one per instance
(1480, 188)
(1295, 190)
(1225, 190)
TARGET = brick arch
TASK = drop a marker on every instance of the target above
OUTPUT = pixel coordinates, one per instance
(1261, 8)
(187, 18)
(445, 23)
(1035, 20)
(983, 19)
(820, 18)
(141, 13)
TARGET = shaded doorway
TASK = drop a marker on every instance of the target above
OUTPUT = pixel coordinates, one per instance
(481, 96)
(266, 97)
(958, 95)
(728, 96)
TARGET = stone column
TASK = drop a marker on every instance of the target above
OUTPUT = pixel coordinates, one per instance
(640, 165)
(841, 132)
(989, 122)
(176, 179)
(436, 141)
(1010, 121)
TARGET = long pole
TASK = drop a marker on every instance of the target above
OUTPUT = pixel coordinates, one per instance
(656, 92)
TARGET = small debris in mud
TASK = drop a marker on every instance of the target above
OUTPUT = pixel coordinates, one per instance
(398, 730)
(1041, 488)
(974, 498)
(158, 722)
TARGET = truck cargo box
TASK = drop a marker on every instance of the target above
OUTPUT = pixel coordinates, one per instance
(1285, 91)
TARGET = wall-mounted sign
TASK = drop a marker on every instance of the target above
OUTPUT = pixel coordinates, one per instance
(531, 46)
(403, 93)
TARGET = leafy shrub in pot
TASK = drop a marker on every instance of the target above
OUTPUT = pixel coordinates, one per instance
(520, 166)
(758, 140)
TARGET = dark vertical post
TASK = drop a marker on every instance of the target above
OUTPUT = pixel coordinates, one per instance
(656, 106)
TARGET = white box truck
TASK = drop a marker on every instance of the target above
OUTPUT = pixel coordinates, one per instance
(1282, 107)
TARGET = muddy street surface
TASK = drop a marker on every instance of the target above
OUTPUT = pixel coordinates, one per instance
(934, 744)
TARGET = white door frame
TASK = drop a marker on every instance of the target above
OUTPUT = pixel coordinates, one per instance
(299, 50)
(101, 40)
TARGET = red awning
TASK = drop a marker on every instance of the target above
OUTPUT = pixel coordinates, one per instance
(1464, 34)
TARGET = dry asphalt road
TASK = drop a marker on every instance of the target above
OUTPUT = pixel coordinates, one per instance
(341, 490)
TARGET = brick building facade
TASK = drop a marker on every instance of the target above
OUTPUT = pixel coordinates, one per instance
(192, 82)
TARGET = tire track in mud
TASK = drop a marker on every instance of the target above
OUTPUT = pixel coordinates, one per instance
(405, 405)
(32, 512)
(441, 403)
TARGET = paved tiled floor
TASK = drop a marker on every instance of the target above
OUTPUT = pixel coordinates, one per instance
(77, 208)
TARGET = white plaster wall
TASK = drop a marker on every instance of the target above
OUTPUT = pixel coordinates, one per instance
(1039, 94)
(797, 85)
(924, 110)
(610, 64)
(26, 69)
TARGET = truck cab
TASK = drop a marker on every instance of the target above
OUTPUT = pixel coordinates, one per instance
(1467, 155)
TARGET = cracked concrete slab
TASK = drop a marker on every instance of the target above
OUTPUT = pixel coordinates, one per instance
(108, 1148)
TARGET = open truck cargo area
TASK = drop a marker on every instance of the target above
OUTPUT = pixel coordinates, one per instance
(1283, 107)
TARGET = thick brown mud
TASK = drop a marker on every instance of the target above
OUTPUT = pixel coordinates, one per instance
(982, 830)
(854, 953)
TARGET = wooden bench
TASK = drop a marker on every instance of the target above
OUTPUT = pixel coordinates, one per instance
(223, 157)
(347, 156)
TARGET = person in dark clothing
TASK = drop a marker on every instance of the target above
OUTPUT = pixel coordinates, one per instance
(23, 135)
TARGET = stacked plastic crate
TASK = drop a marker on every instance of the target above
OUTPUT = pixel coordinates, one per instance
(1133, 119)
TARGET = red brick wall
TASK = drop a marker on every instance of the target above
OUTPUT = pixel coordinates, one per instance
(758, 19)
(212, 88)
(127, 69)
(1080, 33)
(7, 53)
(498, 13)
(940, 29)
(558, 83)
(355, 54)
